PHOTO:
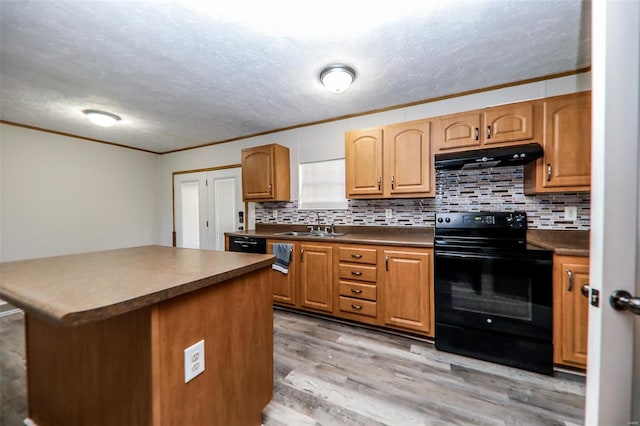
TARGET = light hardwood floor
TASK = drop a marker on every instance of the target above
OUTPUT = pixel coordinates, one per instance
(327, 373)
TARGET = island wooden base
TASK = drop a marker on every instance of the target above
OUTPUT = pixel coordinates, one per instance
(129, 369)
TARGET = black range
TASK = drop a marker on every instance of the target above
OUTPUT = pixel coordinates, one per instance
(493, 296)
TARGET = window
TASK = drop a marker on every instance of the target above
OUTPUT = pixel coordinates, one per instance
(322, 185)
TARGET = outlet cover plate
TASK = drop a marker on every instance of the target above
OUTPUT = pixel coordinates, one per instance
(193, 361)
(388, 213)
(570, 213)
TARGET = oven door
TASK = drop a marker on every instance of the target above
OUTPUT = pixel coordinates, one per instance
(501, 292)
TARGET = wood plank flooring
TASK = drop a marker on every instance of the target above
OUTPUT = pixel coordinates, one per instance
(328, 373)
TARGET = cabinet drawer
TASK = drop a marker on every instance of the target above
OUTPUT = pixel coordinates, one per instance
(357, 255)
(357, 306)
(358, 272)
(361, 291)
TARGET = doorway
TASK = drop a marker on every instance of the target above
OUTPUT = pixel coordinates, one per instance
(207, 203)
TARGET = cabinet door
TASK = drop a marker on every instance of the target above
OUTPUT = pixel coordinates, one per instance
(363, 163)
(316, 277)
(567, 142)
(408, 162)
(458, 131)
(284, 285)
(571, 310)
(257, 173)
(407, 289)
(509, 123)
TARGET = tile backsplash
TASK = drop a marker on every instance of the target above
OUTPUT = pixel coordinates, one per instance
(499, 189)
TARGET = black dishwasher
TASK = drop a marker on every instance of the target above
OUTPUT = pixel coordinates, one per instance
(248, 244)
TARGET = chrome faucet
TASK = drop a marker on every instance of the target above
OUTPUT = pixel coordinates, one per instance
(317, 219)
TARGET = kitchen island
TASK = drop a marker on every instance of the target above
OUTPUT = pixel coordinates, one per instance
(106, 334)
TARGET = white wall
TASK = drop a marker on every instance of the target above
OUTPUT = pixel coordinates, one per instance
(61, 195)
(326, 141)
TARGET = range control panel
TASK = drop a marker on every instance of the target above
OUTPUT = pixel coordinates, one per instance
(509, 220)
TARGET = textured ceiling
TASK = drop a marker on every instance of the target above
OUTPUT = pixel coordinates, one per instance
(187, 73)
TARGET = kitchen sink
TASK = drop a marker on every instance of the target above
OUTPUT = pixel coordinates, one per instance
(310, 234)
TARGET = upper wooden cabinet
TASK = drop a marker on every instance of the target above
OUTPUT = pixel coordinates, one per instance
(502, 125)
(265, 173)
(363, 163)
(395, 161)
(570, 310)
(566, 129)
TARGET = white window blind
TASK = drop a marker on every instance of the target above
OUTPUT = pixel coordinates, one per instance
(322, 185)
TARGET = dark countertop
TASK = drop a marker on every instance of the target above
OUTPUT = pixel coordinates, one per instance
(413, 236)
(571, 243)
(81, 288)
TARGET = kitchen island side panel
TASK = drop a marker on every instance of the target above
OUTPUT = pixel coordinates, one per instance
(129, 369)
(235, 319)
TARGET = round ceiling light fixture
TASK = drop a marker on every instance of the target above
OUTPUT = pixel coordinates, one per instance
(337, 78)
(101, 118)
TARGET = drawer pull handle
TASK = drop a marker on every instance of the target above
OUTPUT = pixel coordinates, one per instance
(379, 183)
(356, 273)
(356, 256)
(386, 262)
(549, 172)
(488, 132)
(358, 307)
(477, 133)
(356, 291)
(301, 255)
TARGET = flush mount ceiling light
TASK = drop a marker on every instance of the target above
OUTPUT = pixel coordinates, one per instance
(337, 78)
(101, 118)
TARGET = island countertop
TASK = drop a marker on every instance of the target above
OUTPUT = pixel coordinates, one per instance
(77, 289)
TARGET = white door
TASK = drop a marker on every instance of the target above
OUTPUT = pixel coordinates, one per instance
(206, 205)
(190, 210)
(613, 370)
(225, 204)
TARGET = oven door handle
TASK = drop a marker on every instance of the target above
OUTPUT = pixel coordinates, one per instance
(500, 257)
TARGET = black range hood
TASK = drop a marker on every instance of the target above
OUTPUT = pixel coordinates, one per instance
(490, 157)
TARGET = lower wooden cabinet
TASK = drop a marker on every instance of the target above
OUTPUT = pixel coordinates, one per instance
(570, 310)
(377, 285)
(316, 276)
(407, 289)
(284, 285)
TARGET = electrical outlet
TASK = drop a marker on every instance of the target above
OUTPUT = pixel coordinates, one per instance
(388, 213)
(570, 213)
(274, 213)
(193, 361)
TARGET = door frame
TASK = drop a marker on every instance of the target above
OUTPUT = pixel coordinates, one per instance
(613, 391)
(173, 193)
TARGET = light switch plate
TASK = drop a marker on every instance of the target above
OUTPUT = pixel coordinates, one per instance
(193, 361)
